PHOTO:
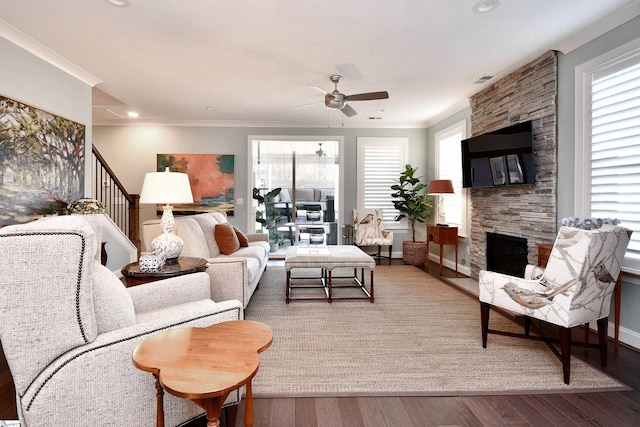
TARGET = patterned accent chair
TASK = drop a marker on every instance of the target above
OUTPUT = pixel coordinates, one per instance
(575, 288)
(69, 326)
(368, 230)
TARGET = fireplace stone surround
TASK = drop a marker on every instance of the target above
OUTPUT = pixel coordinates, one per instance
(529, 211)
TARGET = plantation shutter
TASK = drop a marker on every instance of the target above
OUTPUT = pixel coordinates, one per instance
(615, 150)
(381, 161)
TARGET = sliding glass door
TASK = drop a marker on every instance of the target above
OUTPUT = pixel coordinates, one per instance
(308, 174)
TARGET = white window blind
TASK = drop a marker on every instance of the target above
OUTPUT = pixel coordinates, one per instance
(380, 162)
(450, 167)
(615, 149)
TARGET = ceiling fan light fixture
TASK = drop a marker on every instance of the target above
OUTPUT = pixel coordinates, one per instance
(320, 152)
(486, 6)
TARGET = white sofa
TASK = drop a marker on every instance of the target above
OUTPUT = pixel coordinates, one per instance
(235, 276)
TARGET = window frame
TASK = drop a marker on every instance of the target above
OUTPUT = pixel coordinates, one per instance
(399, 143)
(605, 64)
(463, 193)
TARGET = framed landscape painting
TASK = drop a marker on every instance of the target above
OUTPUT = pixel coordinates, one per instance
(212, 179)
(42, 162)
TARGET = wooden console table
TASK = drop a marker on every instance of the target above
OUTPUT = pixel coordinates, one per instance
(544, 251)
(443, 235)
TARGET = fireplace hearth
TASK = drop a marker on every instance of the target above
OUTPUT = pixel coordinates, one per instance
(506, 254)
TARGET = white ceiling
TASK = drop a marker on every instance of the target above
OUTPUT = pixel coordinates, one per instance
(253, 60)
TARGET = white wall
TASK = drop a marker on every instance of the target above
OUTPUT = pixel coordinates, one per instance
(34, 82)
(131, 152)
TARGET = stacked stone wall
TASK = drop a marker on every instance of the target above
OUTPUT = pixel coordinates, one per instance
(528, 211)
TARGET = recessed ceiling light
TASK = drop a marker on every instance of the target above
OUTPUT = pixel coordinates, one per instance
(379, 110)
(486, 6)
(119, 3)
(132, 114)
(212, 109)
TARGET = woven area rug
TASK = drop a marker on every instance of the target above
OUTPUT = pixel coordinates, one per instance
(420, 337)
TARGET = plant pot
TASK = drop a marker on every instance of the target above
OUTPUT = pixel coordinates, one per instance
(414, 253)
(274, 247)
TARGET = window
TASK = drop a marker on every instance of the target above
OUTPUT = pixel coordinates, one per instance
(380, 162)
(449, 166)
(608, 143)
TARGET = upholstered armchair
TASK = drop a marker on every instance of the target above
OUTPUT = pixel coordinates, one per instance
(575, 288)
(68, 328)
(368, 230)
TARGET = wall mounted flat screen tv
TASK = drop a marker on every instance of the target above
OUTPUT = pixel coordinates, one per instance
(499, 158)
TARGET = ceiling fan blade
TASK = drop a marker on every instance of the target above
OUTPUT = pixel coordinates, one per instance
(348, 111)
(318, 88)
(304, 105)
(367, 96)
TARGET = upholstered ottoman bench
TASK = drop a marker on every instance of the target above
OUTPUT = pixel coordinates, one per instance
(327, 259)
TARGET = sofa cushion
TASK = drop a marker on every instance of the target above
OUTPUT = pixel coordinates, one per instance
(113, 305)
(304, 195)
(285, 196)
(195, 243)
(226, 238)
(208, 224)
(242, 238)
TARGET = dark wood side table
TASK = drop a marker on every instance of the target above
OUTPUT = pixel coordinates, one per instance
(544, 251)
(443, 235)
(184, 265)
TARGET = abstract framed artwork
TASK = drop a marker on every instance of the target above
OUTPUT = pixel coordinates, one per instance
(212, 179)
(42, 162)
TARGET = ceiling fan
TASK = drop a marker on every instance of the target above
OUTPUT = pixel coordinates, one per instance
(338, 101)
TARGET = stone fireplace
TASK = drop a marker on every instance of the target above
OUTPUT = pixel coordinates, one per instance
(527, 212)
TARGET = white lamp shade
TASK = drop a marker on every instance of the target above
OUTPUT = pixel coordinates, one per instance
(166, 187)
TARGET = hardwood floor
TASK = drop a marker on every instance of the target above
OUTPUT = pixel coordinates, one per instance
(615, 409)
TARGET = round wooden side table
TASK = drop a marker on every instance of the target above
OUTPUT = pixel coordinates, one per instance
(133, 276)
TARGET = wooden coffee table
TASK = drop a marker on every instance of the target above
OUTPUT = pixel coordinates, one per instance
(205, 364)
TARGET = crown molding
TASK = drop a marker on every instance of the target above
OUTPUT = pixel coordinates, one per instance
(255, 124)
(22, 40)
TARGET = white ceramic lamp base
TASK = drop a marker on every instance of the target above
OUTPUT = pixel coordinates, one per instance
(167, 243)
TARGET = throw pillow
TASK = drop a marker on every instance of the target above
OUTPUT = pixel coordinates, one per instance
(113, 305)
(588, 223)
(226, 238)
(242, 238)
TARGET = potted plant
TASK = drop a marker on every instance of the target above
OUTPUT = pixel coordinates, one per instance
(276, 239)
(414, 207)
(266, 218)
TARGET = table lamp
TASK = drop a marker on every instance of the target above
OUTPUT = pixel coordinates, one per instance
(166, 187)
(439, 187)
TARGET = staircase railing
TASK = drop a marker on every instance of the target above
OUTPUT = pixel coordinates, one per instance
(122, 207)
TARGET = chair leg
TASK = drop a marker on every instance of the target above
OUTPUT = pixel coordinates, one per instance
(379, 254)
(527, 325)
(390, 247)
(484, 320)
(565, 352)
(603, 326)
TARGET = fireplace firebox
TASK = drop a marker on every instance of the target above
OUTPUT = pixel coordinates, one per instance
(506, 254)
